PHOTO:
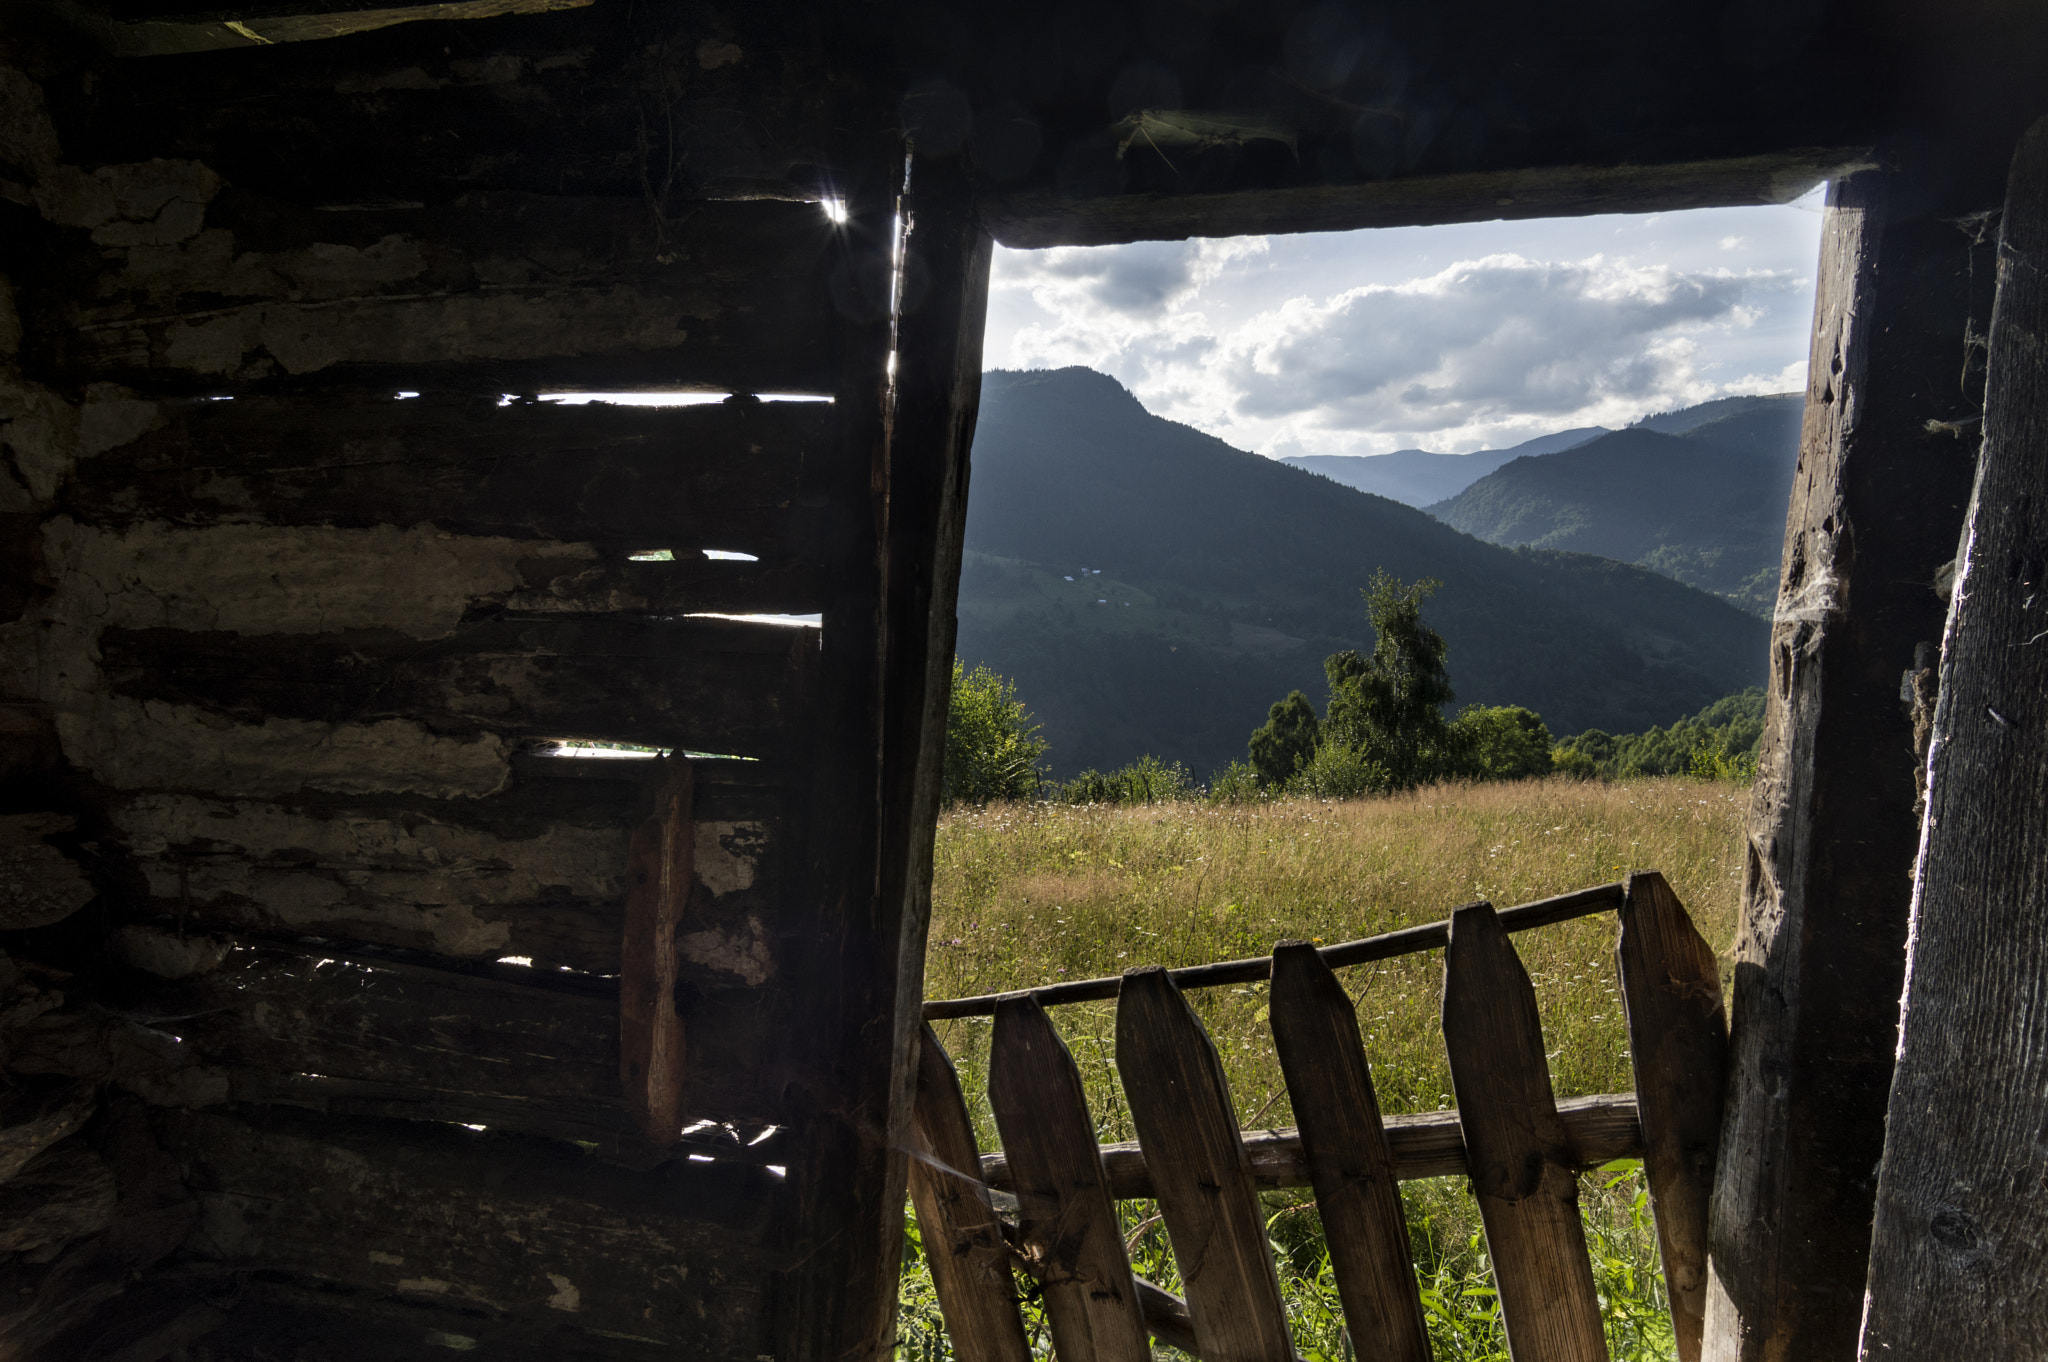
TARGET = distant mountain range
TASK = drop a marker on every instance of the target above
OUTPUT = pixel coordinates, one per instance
(1151, 589)
(1417, 477)
(1698, 495)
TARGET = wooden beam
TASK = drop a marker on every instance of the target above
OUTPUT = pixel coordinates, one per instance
(1045, 217)
(1875, 507)
(1957, 1247)
(1423, 1145)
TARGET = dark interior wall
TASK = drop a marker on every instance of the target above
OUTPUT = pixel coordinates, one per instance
(311, 1015)
(274, 830)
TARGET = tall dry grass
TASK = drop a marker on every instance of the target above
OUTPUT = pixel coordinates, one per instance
(1026, 894)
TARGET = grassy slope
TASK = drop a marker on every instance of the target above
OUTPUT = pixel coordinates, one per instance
(1026, 894)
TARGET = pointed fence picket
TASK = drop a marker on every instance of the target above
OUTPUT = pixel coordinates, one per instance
(1522, 1149)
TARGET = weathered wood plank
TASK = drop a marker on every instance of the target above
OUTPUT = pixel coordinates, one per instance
(539, 290)
(1180, 1104)
(1876, 505)
(1678, 1043)
(1424, 1145)
(659, 878)
(1343, 1140)
(1957, 1256)
(543, 880)
(1523, 1172)
(722, 686)
(257, 1024)
(721, 476)
(963, 1239)
(503, 1226)
(1069, 1223)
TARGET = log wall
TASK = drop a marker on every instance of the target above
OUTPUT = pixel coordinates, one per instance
(310, 1000)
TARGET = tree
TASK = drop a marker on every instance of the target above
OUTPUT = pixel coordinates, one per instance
(1500, 742)
(1390, 706)
(992, 747)
(1286, 742)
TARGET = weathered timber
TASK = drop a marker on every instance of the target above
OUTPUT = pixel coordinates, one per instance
(1047, 217)
(1424, 1145)
(386, 1038)
(717, 475)
(1069, 1224)
(847, 1177)
(722, 686)
(549, 104)
(1678, 1042)
(1180, 1104)
(1956, 1255)
(1343, 1141)
(65, 1193)
(535, 874)
(659, 877)
(261, 25)
(1876, 505)
(35, 1115)
(963, 1238)
(541, 291)
(496, 1224)
(886, 650)
(1430, 936)
(1523, 1172)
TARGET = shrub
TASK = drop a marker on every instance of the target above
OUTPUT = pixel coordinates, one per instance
(1287, 740)
(1147, 780)
(1338, 771)
(1500, 742)
(992, 747)
(1239, 783)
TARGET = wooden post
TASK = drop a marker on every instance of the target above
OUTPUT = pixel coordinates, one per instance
(1315, 1030)
(1523, 1170)
(1070, 1227)
(887, 651)
(1678, 1043)
(1960, 1243)
(963, 1239)
(1180, 1104)
(660, 870)
(1875, 509)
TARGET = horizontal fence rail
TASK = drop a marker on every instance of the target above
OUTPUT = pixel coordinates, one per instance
(1428, 1145)
(1407, 941)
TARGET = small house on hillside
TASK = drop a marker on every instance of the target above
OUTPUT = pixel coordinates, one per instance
(351, 1007)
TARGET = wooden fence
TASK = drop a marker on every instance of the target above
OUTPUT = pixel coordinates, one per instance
(1522, 1149)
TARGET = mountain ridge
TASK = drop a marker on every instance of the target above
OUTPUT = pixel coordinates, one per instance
(1151, 588)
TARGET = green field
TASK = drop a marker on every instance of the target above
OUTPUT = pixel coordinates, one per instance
(1028, 894)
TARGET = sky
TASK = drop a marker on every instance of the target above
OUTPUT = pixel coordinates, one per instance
(1452, 339)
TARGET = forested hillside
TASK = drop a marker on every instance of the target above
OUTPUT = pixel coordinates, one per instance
(1697, 495)
(1150, 588)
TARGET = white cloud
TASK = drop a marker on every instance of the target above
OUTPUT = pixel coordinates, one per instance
(1366, 342)
(1484, 342)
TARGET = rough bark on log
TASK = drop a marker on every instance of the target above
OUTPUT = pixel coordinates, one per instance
(1957, 1258)
(720, 475)
(496, 1224)
(1875, 507)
